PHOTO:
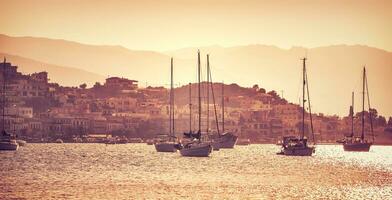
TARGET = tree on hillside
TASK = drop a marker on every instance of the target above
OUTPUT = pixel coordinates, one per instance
(83, 86)
(273, 93)
(381, 121)
(97, 85)
(373, 112)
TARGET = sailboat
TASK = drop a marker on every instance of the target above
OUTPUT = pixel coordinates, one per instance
(353, 143)
(167, 143)
(294, 145)
(7, 140)
(219, 140)
(196, 147)
(224, 140)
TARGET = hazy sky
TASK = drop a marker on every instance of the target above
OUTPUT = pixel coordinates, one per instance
(165, 25)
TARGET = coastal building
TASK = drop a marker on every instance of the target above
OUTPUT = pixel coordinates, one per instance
(121, 83)
(19, 111)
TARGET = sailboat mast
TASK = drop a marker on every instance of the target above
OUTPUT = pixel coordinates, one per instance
(223, 108)
(208, 93)
(370, 114)
(4, 83)
(170, 96)
(352, 114)
(199, 89)
(303, 98)
(310, 108)
(172, 99)
(190, 107)
(363, 104)
(213, 99)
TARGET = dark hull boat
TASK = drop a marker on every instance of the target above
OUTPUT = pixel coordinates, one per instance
(225, 141)
(356, 143)
(293, 146)
(196, 149)
(357, 146)
(8, 146)
(167, 143)
(165, 146)
(149, 142)
(298, 146)
(194, 146)
(299, 150)
(7, 143)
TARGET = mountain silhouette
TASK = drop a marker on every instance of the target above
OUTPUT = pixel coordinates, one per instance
(334, 71)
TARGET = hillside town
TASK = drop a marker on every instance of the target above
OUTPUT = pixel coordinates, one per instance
(41, 111)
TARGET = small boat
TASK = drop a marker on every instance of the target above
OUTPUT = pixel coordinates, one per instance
(122, 140)
(222, 139)
(294, 146)
(225, 140)
(357, 144)
(110, 141)
(298, 145)
(149, 141)
(167, 143)
(60, 141)
(8, 142)
(352, 143)
(167, 146)
(196, 149)
(135, 140)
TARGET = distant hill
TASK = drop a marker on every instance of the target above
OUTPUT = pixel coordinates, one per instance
(182, 93)
(65, 76)
(334, 71)
(104, 60)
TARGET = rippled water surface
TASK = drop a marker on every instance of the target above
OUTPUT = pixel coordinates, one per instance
(137, 171)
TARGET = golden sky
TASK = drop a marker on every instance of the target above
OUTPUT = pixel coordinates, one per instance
(166, 25)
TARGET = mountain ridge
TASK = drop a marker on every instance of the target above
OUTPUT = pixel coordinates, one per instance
(333, 70)
(56, 74)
